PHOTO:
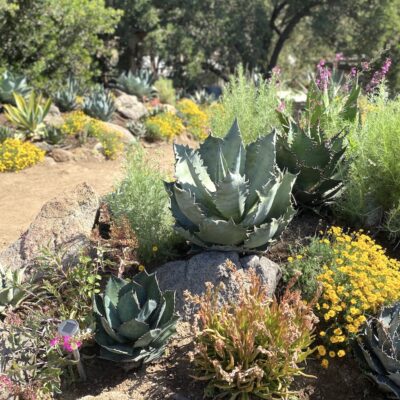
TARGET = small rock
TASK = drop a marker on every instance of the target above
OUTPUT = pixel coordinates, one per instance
(210, 266)
(49, 161)
(61, 155)
(129, 106)
(65, 223)
(54, 117)
(44, 146)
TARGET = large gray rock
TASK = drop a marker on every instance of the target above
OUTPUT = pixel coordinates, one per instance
(61, 155)
(129, 106)
(210, 266)
(64, 223)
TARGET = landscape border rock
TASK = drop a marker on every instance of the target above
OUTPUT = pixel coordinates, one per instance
(210, 266)
(64, 223)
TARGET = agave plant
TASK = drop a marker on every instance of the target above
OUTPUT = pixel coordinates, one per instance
(10, 84)
(99, 104)
(134, 320)
(137, 128)
(6, 133)
(28, 115)
(12, 293)
(378, 350)
(202, 97)
(65, 98)
(140, 85)
(319, 162)
(230, 197)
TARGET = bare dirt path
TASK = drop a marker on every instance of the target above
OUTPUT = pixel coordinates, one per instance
(23, 194)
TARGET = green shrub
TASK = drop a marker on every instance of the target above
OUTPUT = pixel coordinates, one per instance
(166, 91)
(251, 347)
(141, 198)
(373, 186)
(253, 105)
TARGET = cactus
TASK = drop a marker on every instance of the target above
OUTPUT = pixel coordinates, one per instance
(378, 350)
(65, 98)
(99, 104)
(134, 320)
(230, 197)
(140, 85)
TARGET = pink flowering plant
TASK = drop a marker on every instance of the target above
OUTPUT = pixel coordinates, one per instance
(332, 97)
(66, 343)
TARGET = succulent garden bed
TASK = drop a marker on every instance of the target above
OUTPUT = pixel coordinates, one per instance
(251, 273)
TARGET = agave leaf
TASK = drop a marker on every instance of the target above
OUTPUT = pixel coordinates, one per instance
(147, 310)
(233, 149)
(308, 152)
(120, 349)
(150, 284)
(167, 329)
(111, 313)
(184, 221)
(210, 150)
(221, 232)
(147, 338)
(386, 385)
(110, 332)
(187, 205)
(262, 235)
(113, 287)
(230, 196)
(166, 308)
(128, 306)
(260, 162)
(133, 329)
(282, 199)
(189, 236)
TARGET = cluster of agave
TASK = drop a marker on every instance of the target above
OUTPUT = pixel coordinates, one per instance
(99, 104)
(140, 85)
(11, 83)
(230, 197)
(12, 293)
(378, 350)
(134, 320)
(65, 98)
(318, 161)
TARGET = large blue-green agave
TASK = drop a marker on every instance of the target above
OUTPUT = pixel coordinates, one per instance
(230, 197)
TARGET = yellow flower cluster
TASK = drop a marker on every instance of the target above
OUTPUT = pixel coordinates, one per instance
(358, 281)
(195, 118)
(16, 155)
(165, 125)
(77, 122)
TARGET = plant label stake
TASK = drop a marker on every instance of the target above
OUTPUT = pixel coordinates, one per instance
(71, 328)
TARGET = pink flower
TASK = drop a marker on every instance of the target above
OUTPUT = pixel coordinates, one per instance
(55, 341)
(353, 72)
(276, 71)
(70, 344)
(339, 57)
(365, 66)
(6, 382)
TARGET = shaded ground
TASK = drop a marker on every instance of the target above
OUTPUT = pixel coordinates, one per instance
(170, 379)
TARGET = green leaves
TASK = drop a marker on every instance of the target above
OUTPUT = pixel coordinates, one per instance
(227, 196)
(28, 115)
(378, 350)
(133, 318)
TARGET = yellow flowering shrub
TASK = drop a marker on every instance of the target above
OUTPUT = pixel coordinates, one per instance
(165, 125)
(77, 122)
(196, 120)
(358, 280)
(16, 155)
